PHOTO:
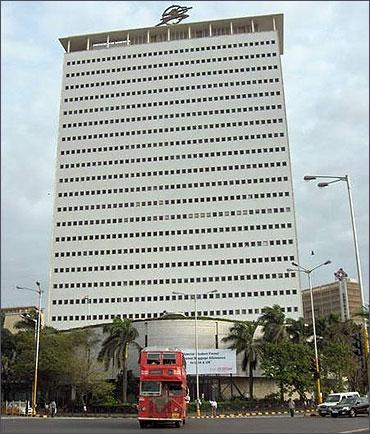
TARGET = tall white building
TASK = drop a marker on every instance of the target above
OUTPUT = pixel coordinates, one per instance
(173, 174)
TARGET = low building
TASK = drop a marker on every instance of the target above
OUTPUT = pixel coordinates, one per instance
(180, 333)
(342, 298)
(12, 315)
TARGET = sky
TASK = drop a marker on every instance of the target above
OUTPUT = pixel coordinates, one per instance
(325, 71)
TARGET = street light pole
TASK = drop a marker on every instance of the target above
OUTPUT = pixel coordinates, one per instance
(34, 389)
(196, 353)
(307, 271)
(346, 179)
(195, 297)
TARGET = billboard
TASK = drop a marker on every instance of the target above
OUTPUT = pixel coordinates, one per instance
(211, 361)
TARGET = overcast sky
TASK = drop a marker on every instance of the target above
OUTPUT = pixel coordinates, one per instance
(325, 70)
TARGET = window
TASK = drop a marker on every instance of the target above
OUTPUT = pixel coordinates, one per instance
(169, 358)
(153, 358)
(150, 388)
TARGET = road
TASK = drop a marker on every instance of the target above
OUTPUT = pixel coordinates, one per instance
(258, 424)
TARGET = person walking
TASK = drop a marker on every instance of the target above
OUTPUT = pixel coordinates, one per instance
(53, 408)
(291, 406)
(213, 408)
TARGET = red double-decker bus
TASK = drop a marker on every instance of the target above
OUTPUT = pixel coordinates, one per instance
(163, 389)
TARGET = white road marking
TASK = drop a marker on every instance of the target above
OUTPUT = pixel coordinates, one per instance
(354, 430)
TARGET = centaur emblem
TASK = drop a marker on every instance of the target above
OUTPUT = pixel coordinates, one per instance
(174, 13)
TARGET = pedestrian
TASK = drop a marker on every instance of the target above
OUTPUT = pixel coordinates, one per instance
(213, 408)
(291, 406)
(53, 408)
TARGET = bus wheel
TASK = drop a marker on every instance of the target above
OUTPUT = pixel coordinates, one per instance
(183, 421)
(177, 424)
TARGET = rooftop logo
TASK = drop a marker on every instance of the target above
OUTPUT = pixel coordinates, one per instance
(174, 15)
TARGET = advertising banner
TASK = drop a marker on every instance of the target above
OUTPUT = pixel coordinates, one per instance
(211, 361)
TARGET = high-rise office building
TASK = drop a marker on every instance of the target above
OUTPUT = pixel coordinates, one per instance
(173, 174)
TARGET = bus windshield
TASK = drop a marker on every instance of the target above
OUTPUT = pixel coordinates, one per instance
(150, 388)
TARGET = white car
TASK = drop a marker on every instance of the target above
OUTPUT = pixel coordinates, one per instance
(333, 399)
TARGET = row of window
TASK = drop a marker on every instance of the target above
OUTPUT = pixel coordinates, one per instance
(164, 217)
(155, 298)
(174, 281)
(170, 65)
(194, 141)
(171, 233)
(178, 201)
(178, 115)
(172, 89)
(171, 157)
(167, 102)
(181, 128)
(178, 248)
(165, 187)
(173, 265)
(187, 75)
(169, 52)
(212, 313)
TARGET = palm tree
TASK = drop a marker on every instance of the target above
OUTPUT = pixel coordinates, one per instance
(298, 330)
(115, 347)
(242, 337)
(273, 322)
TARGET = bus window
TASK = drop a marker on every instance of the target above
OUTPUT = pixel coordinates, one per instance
(174, 389)
(153, 359)
(169, 358)
(150, 388)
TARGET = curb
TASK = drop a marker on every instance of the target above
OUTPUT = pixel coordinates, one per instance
(248, 414)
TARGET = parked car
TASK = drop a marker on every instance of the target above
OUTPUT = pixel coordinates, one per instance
(351, 407)
(333, 399)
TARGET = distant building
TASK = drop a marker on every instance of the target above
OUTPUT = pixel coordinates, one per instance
(14, 314)
(342, 298)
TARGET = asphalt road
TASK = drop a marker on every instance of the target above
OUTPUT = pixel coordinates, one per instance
(259, 424)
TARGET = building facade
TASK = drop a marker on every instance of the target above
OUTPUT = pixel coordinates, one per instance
(173, 174)
(13, 315)
(341, 298)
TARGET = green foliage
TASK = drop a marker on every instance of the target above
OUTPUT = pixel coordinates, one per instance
(242, 337)
(273, 321)
(289, 366)
(115, 347)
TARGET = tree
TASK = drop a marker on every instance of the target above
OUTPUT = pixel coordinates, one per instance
(115, 347)
(273, 322)
(28, 321)
(298, 330)
(289, 365)
(8, 354)
(242, 337)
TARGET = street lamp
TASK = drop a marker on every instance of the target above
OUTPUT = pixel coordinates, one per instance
(308, 271)
(34, 394)
(88, 302)
(346, 179)
(195, 297)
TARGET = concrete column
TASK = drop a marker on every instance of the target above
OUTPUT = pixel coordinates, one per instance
(231, 28)
(273, 24)
(107, 41)
(148, 36)
(189, 32)
(88, 44)
(252, 22)
(168, 34)
(128, 38)
(68, 46)
(210, 29)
